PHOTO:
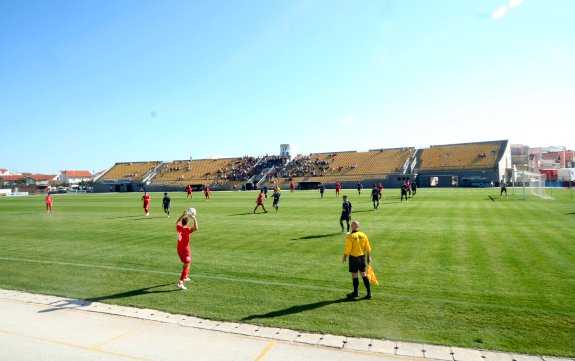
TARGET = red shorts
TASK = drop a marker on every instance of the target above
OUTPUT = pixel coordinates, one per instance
(185, 255)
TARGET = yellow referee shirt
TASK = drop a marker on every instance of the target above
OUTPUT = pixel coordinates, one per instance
(357, 244)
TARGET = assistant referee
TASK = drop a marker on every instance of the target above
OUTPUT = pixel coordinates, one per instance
(357, 248)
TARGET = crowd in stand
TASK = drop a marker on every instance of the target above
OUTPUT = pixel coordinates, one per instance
(239, 170)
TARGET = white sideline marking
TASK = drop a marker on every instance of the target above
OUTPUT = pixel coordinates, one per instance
(221, 278)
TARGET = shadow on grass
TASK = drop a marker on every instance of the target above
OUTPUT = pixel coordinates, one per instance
(242, 214)
(67, 304)
(136, 218)
(297, 309)
(314, 236)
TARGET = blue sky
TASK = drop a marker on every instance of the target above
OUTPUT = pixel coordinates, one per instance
(85, 84)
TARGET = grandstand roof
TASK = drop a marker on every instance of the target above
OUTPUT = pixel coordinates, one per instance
(76, 173)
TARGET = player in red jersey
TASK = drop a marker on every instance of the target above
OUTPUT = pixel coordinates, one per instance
(49, 203)
(189, 190)
(380, 189)
(337, 189)
(183, 247)
(207, 192)
(291, 187)
(146, 199)
(260, 202)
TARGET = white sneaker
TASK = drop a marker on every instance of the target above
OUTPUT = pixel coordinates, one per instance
(181, 286)
(187, 279)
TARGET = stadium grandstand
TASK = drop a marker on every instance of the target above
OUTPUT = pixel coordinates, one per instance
(454, 165)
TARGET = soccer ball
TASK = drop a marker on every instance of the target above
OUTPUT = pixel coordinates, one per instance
(191, 212)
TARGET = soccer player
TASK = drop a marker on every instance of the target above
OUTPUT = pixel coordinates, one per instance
(291, 187)
(183, 247)
(277, 194)
(266, 191)
(337, 188)
(357, 248)
(404, 191)
(207, 192)
(375, 197)
(408, 184)
(345, 214)
(146, 199)
(359, 188)
(166, 203)
(503, 187)
(49, 203)
(189, 190)
(380, 189)
(260, 201)
(321, 189)
(413, 189)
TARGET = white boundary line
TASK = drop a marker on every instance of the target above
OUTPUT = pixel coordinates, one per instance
(199, 275)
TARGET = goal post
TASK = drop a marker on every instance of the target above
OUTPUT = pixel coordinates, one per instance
(530, 183)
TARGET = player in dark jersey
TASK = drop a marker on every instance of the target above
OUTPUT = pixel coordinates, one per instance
(413, 189)
(321, 189)
(404, 192)
(375, 197)
(166, 203)
(345, 214)
(277, 194)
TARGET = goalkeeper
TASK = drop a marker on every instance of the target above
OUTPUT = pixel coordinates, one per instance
(503, 188)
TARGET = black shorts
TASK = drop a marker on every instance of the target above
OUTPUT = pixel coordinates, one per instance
(357, 264)
(345, 217)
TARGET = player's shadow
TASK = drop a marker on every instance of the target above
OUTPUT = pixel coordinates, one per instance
(68, 304)
(128, 217)
(314, 236)
(242, 214)
(297, 309)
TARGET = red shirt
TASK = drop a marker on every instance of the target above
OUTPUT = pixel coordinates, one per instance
(184, 236)
(260, 198)
(49, 199)
(292, 186)
(189, 189)
(146, 199)
(338, 186)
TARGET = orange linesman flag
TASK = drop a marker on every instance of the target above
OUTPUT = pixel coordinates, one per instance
(371, 275)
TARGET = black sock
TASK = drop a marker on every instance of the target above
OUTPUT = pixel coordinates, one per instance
(367, 285)
(355, 285)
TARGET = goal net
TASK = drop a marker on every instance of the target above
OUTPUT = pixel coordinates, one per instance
(530, 183)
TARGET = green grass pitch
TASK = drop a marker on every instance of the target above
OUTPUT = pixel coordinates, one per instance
(457, 266)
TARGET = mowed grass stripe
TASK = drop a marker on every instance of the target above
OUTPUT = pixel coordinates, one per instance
(456, 266)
